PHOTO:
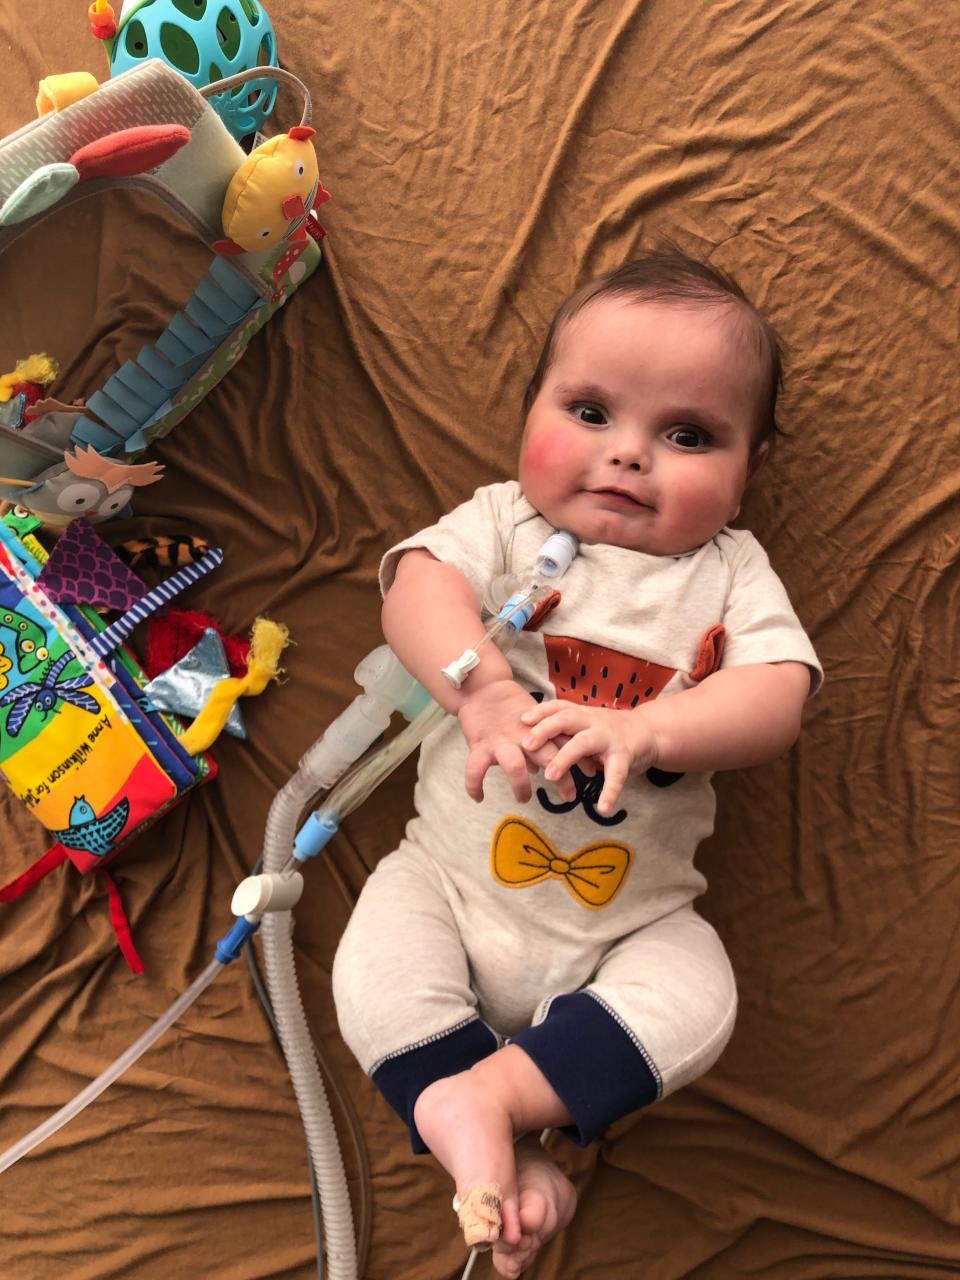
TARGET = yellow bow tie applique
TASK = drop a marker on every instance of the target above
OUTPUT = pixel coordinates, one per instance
(521, 855)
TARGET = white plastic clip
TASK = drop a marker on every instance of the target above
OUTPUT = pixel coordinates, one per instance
(458, 671)
(266, 892)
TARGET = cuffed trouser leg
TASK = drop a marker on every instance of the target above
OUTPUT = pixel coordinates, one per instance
(401, 985)
(594, 1065)
(402, 1077)
(656, 1015)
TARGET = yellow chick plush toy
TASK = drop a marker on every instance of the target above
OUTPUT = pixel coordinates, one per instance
(272, 193)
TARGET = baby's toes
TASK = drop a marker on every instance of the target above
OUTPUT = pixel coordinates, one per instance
(537, 1221)
(538, 1217)
(513, 1262)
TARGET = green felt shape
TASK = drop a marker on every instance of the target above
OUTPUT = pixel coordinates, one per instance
(42, 189)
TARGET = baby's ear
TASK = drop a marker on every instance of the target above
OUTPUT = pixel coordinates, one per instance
(757, 459)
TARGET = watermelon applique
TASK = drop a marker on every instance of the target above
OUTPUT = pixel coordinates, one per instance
(592, 675)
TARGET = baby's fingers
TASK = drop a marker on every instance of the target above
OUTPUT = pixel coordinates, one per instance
(542, 758)
(514, 764)
(616, 769)
(582, 746)
(478, 762)
(537, 710)
(554, 719)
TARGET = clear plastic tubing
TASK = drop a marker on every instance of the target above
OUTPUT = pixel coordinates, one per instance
(367, 774)
(116, 1069)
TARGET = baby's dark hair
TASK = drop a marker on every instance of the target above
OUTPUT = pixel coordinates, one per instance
(670, 275)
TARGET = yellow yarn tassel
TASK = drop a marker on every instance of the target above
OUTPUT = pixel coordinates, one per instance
(268, 640)
(39, 368)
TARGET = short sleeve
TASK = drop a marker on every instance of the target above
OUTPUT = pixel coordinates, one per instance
(759, 620)
(472, 538)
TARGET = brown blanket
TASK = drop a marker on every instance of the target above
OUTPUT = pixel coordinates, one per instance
(483, 159)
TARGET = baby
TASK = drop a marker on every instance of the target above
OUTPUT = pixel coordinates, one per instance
(533, 960)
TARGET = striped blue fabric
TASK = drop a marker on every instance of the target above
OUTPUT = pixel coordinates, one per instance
(160, 595)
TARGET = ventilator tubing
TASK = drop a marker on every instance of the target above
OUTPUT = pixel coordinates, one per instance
(553, 559)
(387, 687)
(292, 1028)
(318, 770)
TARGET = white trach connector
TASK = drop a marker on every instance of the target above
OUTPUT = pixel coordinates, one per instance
(267, 892)
(458, 671)
(556, 555)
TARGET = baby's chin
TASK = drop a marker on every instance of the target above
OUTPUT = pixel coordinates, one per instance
(646, 542)
(643, 546)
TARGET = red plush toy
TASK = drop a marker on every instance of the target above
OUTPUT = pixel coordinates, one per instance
(172, 634)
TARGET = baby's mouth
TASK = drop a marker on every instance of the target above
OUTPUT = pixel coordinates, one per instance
(629, 499)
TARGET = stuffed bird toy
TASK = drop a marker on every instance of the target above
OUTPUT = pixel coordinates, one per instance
(272, 194)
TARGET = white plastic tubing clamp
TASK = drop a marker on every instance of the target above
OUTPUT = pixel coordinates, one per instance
(252, 897)
(458, 671)
(267, 892)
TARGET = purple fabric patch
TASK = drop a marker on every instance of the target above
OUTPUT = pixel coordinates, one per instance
(82, 569)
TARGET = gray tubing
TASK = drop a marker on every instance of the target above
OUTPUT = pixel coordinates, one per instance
(294, 1032)
(318, 771)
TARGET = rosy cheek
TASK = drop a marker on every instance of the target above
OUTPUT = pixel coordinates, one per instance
(547, 451)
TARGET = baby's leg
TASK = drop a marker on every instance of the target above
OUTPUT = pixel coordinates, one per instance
(401, 985)
(470, 1121)
(656, 1015)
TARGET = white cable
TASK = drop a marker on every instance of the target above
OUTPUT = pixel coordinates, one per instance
(471, 1263)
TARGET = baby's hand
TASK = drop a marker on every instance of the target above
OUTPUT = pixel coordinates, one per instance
(492, 725)
(619, 741)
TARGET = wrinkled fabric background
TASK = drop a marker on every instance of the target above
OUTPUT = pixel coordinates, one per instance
(484, 159)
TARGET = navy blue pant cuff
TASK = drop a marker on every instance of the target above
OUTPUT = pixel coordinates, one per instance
(402, 1077)
(595, 1065)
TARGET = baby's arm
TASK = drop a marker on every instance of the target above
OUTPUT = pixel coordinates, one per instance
(430, 615)
(737, 717)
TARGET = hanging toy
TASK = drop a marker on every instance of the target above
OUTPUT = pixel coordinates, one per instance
(90, 484)
(204, 41)
(272, 195)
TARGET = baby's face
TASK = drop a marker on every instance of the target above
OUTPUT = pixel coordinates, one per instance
(642, 433)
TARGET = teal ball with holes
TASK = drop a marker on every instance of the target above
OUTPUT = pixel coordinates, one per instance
(205, 40)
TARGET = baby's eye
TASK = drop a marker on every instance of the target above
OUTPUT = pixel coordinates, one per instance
(688, 437)
(590, 414)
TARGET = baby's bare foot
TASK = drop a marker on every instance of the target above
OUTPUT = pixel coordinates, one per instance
(470, 1132)
(547, 1201)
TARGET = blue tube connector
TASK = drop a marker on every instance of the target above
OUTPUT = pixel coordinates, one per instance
(231, 944)
(315, 834)
(522, 615)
